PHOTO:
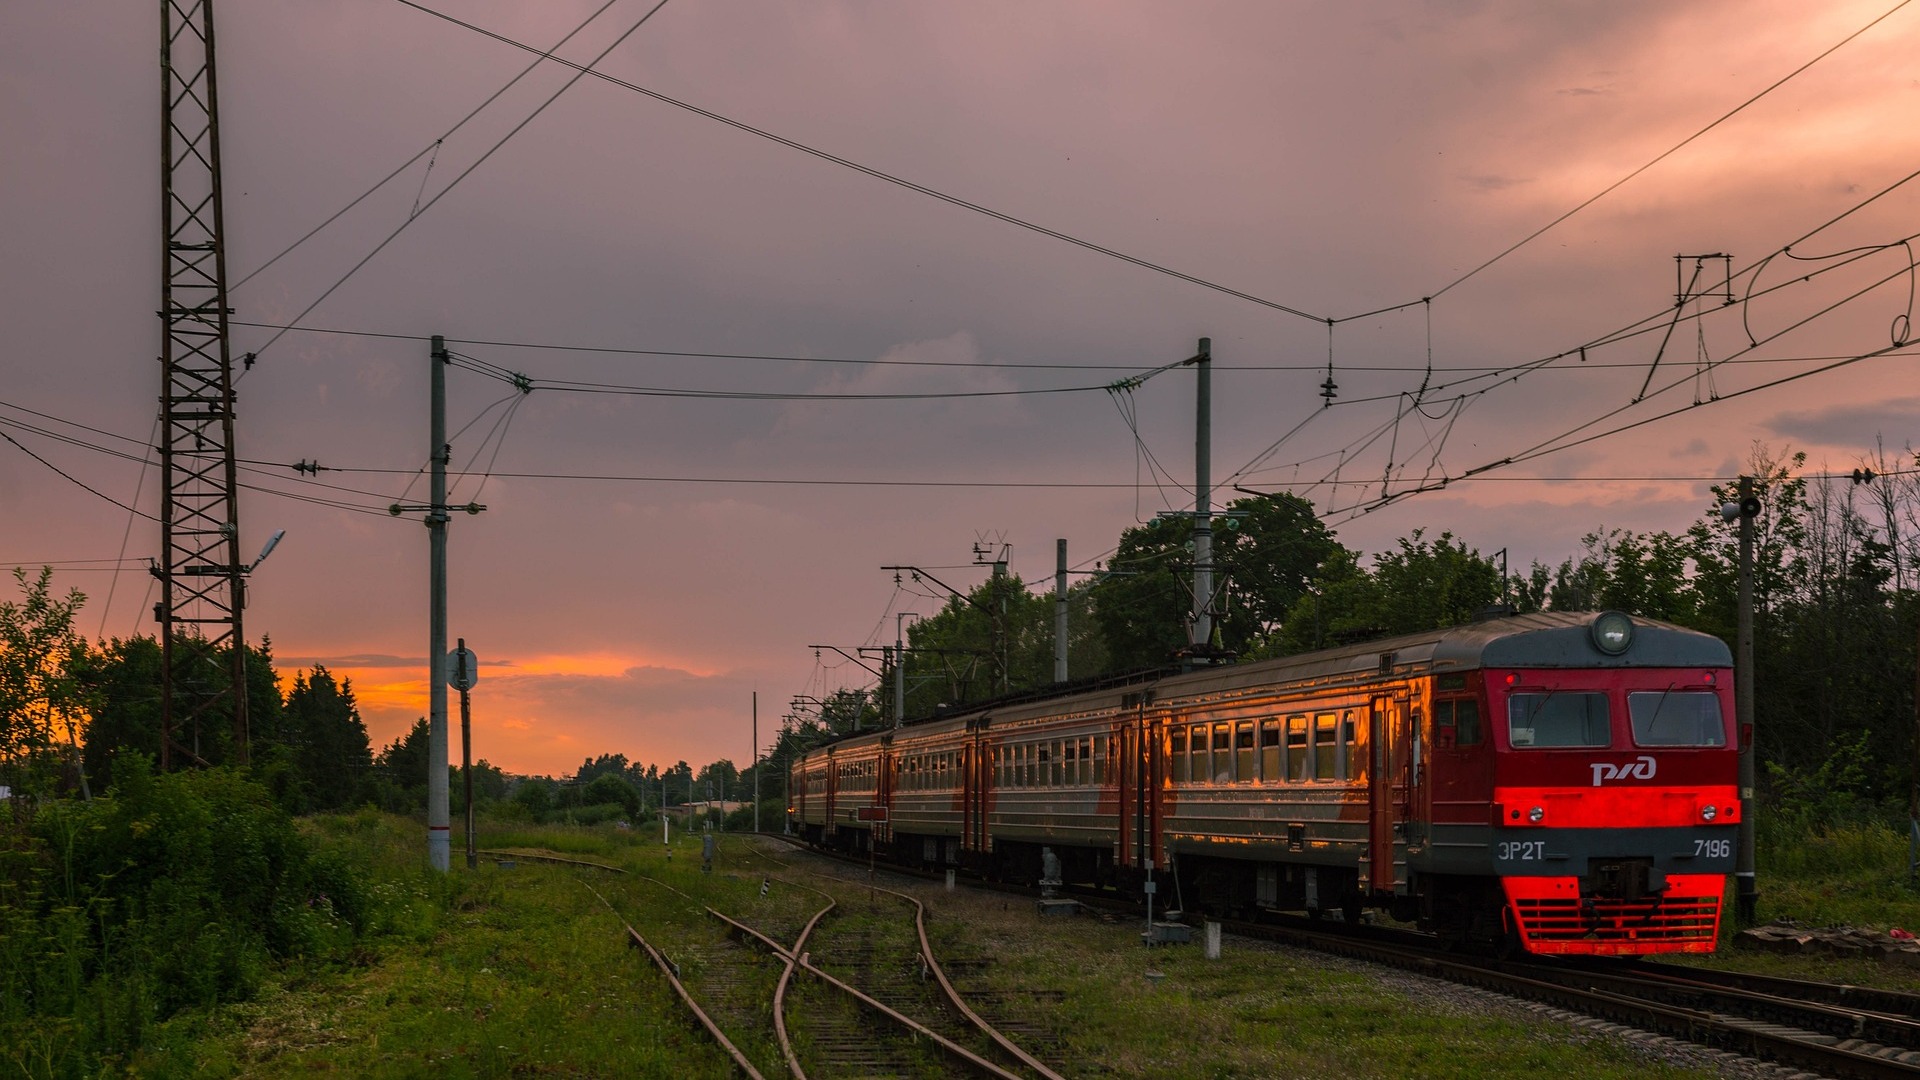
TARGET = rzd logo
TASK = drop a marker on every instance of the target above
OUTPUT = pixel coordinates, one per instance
(1639, 769)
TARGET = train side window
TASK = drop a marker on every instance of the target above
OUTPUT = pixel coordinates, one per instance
(1177, 755)
(1222, 753)
(1045, 766)
(1099, 759)
(1298, 747)
(1353, 763)
(1676, 718)
(1072, 768)
(1325, 732)
(1558, 718)
(1086, 761)
(1055, 775)
(1243, 759)
(1271, 759)
(1197, 744)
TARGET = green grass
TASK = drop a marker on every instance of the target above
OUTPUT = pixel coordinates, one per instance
(1840, 875)
(489, 973)
(523, 972)
(1255, 1012)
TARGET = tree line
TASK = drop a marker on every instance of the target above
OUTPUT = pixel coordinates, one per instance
(1836, 614)
(1836, 618)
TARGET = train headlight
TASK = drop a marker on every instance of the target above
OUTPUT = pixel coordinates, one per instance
(1537, 814)
(1708, 813)
(1612, 632)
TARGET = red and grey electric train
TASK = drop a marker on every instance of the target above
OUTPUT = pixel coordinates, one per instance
(1556, 782)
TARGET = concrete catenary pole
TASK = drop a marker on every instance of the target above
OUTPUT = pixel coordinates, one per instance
(1060, 610)
(756, 761)
(1203, 500)
(1746, 886)
(899, 668)
(439, 815)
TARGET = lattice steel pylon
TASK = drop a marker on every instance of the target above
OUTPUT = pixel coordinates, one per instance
(201, 576)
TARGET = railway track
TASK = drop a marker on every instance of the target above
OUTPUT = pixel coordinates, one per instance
(853, 1001)
(1845, 1033)
(1842, 1032)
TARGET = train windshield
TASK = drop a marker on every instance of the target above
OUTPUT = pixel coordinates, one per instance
(1677, 718)
(1558, 718)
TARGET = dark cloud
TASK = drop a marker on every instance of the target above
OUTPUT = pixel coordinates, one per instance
(1495, 183)
(1853, 427)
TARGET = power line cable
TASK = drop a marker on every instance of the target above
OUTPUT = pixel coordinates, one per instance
(877, 174)
(70, 478)
(1530, 237)
(432, 147)
(126, 536)
(612, 350)
(382, 245)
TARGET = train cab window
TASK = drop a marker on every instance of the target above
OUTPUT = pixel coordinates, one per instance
(1676, 718)
(1353, 764)
(1222, 753)
(1243, 759)
(1298, 748)
(1271, 753)
(1558, 718)
(1325, 735)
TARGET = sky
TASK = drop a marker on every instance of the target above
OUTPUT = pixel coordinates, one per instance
(1306, 184)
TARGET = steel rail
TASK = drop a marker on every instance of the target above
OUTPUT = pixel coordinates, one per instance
(1753, 1038)
(673, 979)
(798, 959)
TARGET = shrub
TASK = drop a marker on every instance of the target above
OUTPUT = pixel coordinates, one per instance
(168, 893)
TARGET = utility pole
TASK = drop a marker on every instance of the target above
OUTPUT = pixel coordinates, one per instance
(1203, 499)
(438, 819)
(900, 667)
(756, 761)
(201, 577)
(1060, 610)
(1746, 891)
(1746, 884)
(439, 453)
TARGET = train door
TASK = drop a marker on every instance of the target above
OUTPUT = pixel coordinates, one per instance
(1389, 787)
(1153, 765)
(833, 787)
(976, 781)
(883, 781)
(1131, 808)
(1139, 803)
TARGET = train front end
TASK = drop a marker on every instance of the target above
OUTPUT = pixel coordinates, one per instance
(1615, 807)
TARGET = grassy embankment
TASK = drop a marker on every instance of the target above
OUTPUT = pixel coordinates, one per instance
(522, 971)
